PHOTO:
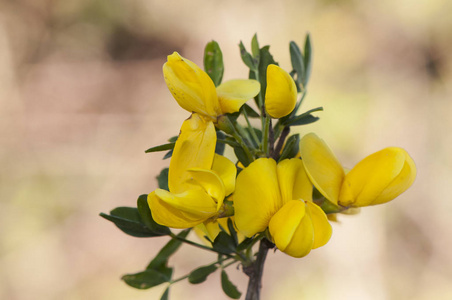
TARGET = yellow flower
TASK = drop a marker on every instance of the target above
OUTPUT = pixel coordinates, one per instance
(377, 179)
(279, 196)
(195, 91)
(198, 179)
(212, 228)
(281, 93)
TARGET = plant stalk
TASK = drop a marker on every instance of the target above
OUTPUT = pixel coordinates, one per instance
(256, 270)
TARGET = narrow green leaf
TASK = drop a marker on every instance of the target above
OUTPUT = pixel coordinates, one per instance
(291, 147)
(219, 147)
(128, 220)
(145, 280)
(304, 118)
(250, 112)
(146, 217)
(229, 141)
(224, 243)
(255, 48)
(233, 232)
(265, 59)
(213, 62)
(173, 139)
(163, 147)
(165, 295)
(169, 249)
(162, 179)
(168, 154)
(200, 275)
(247, 58)
(307, 59)
(297, 63)
(228, 287)
(245, 244)
(241, 155)
(258, 133)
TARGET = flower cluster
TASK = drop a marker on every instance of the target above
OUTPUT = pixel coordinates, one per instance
(274, 188)
(268, 196)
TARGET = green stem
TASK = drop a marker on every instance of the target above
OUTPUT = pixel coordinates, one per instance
(195, 244)
(179, 279)
(265, 134)
(282, 138)
(256, 270)
(214, 263)
(253, 134)
(294, 112)
(229, 264)
(260, 100)
(239, 139)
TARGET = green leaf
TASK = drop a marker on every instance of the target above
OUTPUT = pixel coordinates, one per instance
(233, 232)
(247, 58)
(200, 275)
(291, 148)
(224, 243)
(229, 141)
(213, 62)
(249, 111)
(173, 139)
(265, 59)
(219, 147)
(297, 63)
(169, 146)
(146, 217)
(241, 156)
(162, 179)
(165, 295)
(303, 119)
(245, 244)
(258, 133)
(307, 59)
(169, 249)
(129, 221)
(228, 287)
(145, 280)
(255, 48)
(168, 154)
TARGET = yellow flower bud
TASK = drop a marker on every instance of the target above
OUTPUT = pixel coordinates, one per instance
(281, 93)
(195, 91)
(377, 179)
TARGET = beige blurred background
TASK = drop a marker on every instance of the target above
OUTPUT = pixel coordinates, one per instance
(82, 96)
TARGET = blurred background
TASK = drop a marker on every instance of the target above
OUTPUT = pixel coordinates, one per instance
(82, 96)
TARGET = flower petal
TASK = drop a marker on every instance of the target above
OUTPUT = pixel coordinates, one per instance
(283, 224)
(166, 208)
(322, 228)
(287, 171)
(303, 187)
(233, 94)
(195, 148)
(322, 167)
(401, 183)
(191, 87)
(257, 197)
(195, 202)
(211, 183)
(292, 229)
(227, 172)
(281, 93)
(367, 182)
